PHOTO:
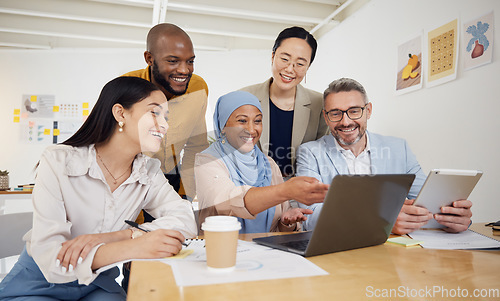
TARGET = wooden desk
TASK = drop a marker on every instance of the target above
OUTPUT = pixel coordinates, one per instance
(11, 193)
(353, 275)
(486, 231)
(15, 195)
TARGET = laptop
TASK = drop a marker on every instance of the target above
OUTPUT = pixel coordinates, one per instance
(358, 211)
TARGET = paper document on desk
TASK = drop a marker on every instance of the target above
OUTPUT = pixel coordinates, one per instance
(438, 239)
(194, 250)
(253, 262)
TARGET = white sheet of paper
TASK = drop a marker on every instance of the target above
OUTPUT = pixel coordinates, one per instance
(438, 239)
(253, 262)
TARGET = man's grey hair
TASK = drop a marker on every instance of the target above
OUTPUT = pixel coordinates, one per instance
(345, 85)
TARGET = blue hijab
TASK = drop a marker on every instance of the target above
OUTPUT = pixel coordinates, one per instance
(250, 168)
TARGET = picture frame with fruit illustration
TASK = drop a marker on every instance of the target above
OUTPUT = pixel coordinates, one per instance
(409, 65)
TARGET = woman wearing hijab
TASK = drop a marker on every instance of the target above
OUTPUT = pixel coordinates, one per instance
(233, 176)
(292, 113)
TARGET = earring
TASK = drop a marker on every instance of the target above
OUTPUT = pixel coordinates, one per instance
(120, 124)
(223, 136)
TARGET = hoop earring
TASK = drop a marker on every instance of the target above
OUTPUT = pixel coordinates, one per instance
(120, 124)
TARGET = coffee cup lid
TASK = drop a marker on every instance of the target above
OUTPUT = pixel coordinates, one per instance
(221, 223)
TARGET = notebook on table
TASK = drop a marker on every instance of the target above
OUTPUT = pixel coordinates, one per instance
(358, 211)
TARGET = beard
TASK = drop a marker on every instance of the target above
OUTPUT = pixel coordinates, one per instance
(160, 79)
(341, 141)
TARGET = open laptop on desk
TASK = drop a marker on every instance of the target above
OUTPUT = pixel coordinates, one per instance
(358, 211)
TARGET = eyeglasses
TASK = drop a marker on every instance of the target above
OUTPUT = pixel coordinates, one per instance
(353, 113)
(297, 65)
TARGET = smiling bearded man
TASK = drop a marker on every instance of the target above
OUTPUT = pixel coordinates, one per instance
(351, 149)
(170, 58)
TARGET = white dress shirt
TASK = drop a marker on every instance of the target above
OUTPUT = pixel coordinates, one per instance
(360, 165)
(71, 198)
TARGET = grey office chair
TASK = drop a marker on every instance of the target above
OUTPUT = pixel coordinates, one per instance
(12, 229)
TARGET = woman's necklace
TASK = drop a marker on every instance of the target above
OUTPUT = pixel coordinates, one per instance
(115, 180)
(282, 102)
(283, 107)
(290, 107)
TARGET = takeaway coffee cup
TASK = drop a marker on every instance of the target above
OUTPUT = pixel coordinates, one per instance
(221, 240)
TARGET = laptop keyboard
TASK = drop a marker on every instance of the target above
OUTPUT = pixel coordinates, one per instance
(297, 244)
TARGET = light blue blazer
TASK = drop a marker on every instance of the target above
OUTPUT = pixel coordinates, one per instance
(389, 155)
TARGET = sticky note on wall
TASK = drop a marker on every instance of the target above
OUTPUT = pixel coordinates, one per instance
(85, 105)
(85, 112)
(55, 109)
(33, 98)
(46, 131)
(16, 119)
(57, 132)
(17, 111)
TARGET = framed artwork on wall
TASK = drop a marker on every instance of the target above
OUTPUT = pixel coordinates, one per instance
(442, 53)
(478, 41)
(409, 65)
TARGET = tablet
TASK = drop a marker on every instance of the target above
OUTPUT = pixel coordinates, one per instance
(444, 186)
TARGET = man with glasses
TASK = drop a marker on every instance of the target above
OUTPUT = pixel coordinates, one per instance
(351, 149)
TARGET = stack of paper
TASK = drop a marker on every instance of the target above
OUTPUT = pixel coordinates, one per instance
(439, 239)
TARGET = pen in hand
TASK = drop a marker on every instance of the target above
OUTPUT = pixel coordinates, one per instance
(136, 225)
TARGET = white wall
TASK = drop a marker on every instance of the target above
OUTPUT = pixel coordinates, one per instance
(77, 75)
(454, 125)
(446, 126)
(73, 76)
(231, 70)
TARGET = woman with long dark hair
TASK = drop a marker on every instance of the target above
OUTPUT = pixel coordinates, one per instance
(87, 187)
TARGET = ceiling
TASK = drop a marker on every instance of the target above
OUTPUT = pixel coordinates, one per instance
(212, 25)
